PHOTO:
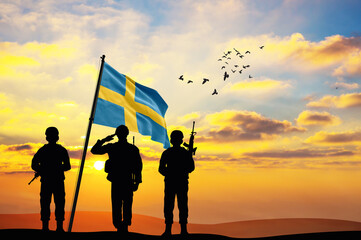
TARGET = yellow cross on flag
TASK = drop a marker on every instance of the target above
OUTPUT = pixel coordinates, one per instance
(122, 101)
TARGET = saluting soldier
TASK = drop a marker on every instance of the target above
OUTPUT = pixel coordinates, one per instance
(124, 169)
(50, 162)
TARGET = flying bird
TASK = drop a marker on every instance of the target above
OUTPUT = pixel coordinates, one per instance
(233, 70)
(236, 66)
(226, 75)
(229, 58)
(241, 56)
(181, 78)
(205, 80)
(249, 76)
(220, 59)
(247, 52)
(223, 67)
(261, 47)
(244, 67)
(226, 62)
(190, 81)
(240, 71)
(215, 92)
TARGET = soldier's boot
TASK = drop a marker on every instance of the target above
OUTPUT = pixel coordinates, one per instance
(45, 226)
(59, 226)
(125, 228)
(184, 229)
(168, 230)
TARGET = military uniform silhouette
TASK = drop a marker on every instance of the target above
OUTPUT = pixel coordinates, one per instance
(175, 165)
(124, 169)
(50, 161)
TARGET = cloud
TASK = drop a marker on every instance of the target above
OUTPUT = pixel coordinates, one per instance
(343, 101)
(16, 158)
(232, 134)
(20, 147)
(76, 152)
(300, 153)
(335, 138)
(189, 118)
(246, 126)
(260, 88)
(350, 67)
(344, 85)
(307, 118)
(334, 49)
(330, 50)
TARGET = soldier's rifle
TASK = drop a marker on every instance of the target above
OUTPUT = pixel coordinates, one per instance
(190, 145)
(36, 175)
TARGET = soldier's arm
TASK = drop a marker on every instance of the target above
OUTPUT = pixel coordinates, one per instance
(190, 163)
(66, 161)
(35, 163)
(98, 148)
(138, 166)
(162, 164)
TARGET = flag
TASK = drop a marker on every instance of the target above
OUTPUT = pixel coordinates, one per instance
(122, 101)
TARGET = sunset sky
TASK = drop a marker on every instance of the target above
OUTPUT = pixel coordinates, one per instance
(285, 143)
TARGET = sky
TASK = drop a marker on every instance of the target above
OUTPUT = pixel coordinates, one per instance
(282, 139)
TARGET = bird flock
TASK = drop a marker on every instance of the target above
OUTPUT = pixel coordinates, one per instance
(227, 67)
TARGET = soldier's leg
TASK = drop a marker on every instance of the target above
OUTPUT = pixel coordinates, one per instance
(182, 199)
(45, 200)
(127, 207)
(169, 198)
(59, 200)
(116, 205)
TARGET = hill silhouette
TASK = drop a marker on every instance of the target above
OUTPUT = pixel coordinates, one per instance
(38, 234)
(87, 222)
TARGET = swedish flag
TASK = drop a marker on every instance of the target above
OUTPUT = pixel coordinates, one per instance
(122, 101)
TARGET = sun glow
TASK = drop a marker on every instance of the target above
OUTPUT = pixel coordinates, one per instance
(99, 165)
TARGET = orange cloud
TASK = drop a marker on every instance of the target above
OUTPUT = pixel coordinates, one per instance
(246, 126)
(335, 138)
(301, 153)
(317, 118)
(342, 101)
(334, 49)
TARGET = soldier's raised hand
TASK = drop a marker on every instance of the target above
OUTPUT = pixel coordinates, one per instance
(109, 138)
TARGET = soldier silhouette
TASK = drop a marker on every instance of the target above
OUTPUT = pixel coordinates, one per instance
(175, 165)
(124, 168)
(50, 162)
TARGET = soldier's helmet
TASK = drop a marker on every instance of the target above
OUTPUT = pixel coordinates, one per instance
(176, 137)
(51, 131)
(177, 134)
(52, 134)
(122, 131)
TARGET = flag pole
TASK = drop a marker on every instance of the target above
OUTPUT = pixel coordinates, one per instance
(91, 119)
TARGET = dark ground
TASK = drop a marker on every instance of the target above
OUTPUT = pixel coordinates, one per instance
(38, 234)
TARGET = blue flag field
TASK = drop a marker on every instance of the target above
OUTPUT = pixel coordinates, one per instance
(122, 101)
